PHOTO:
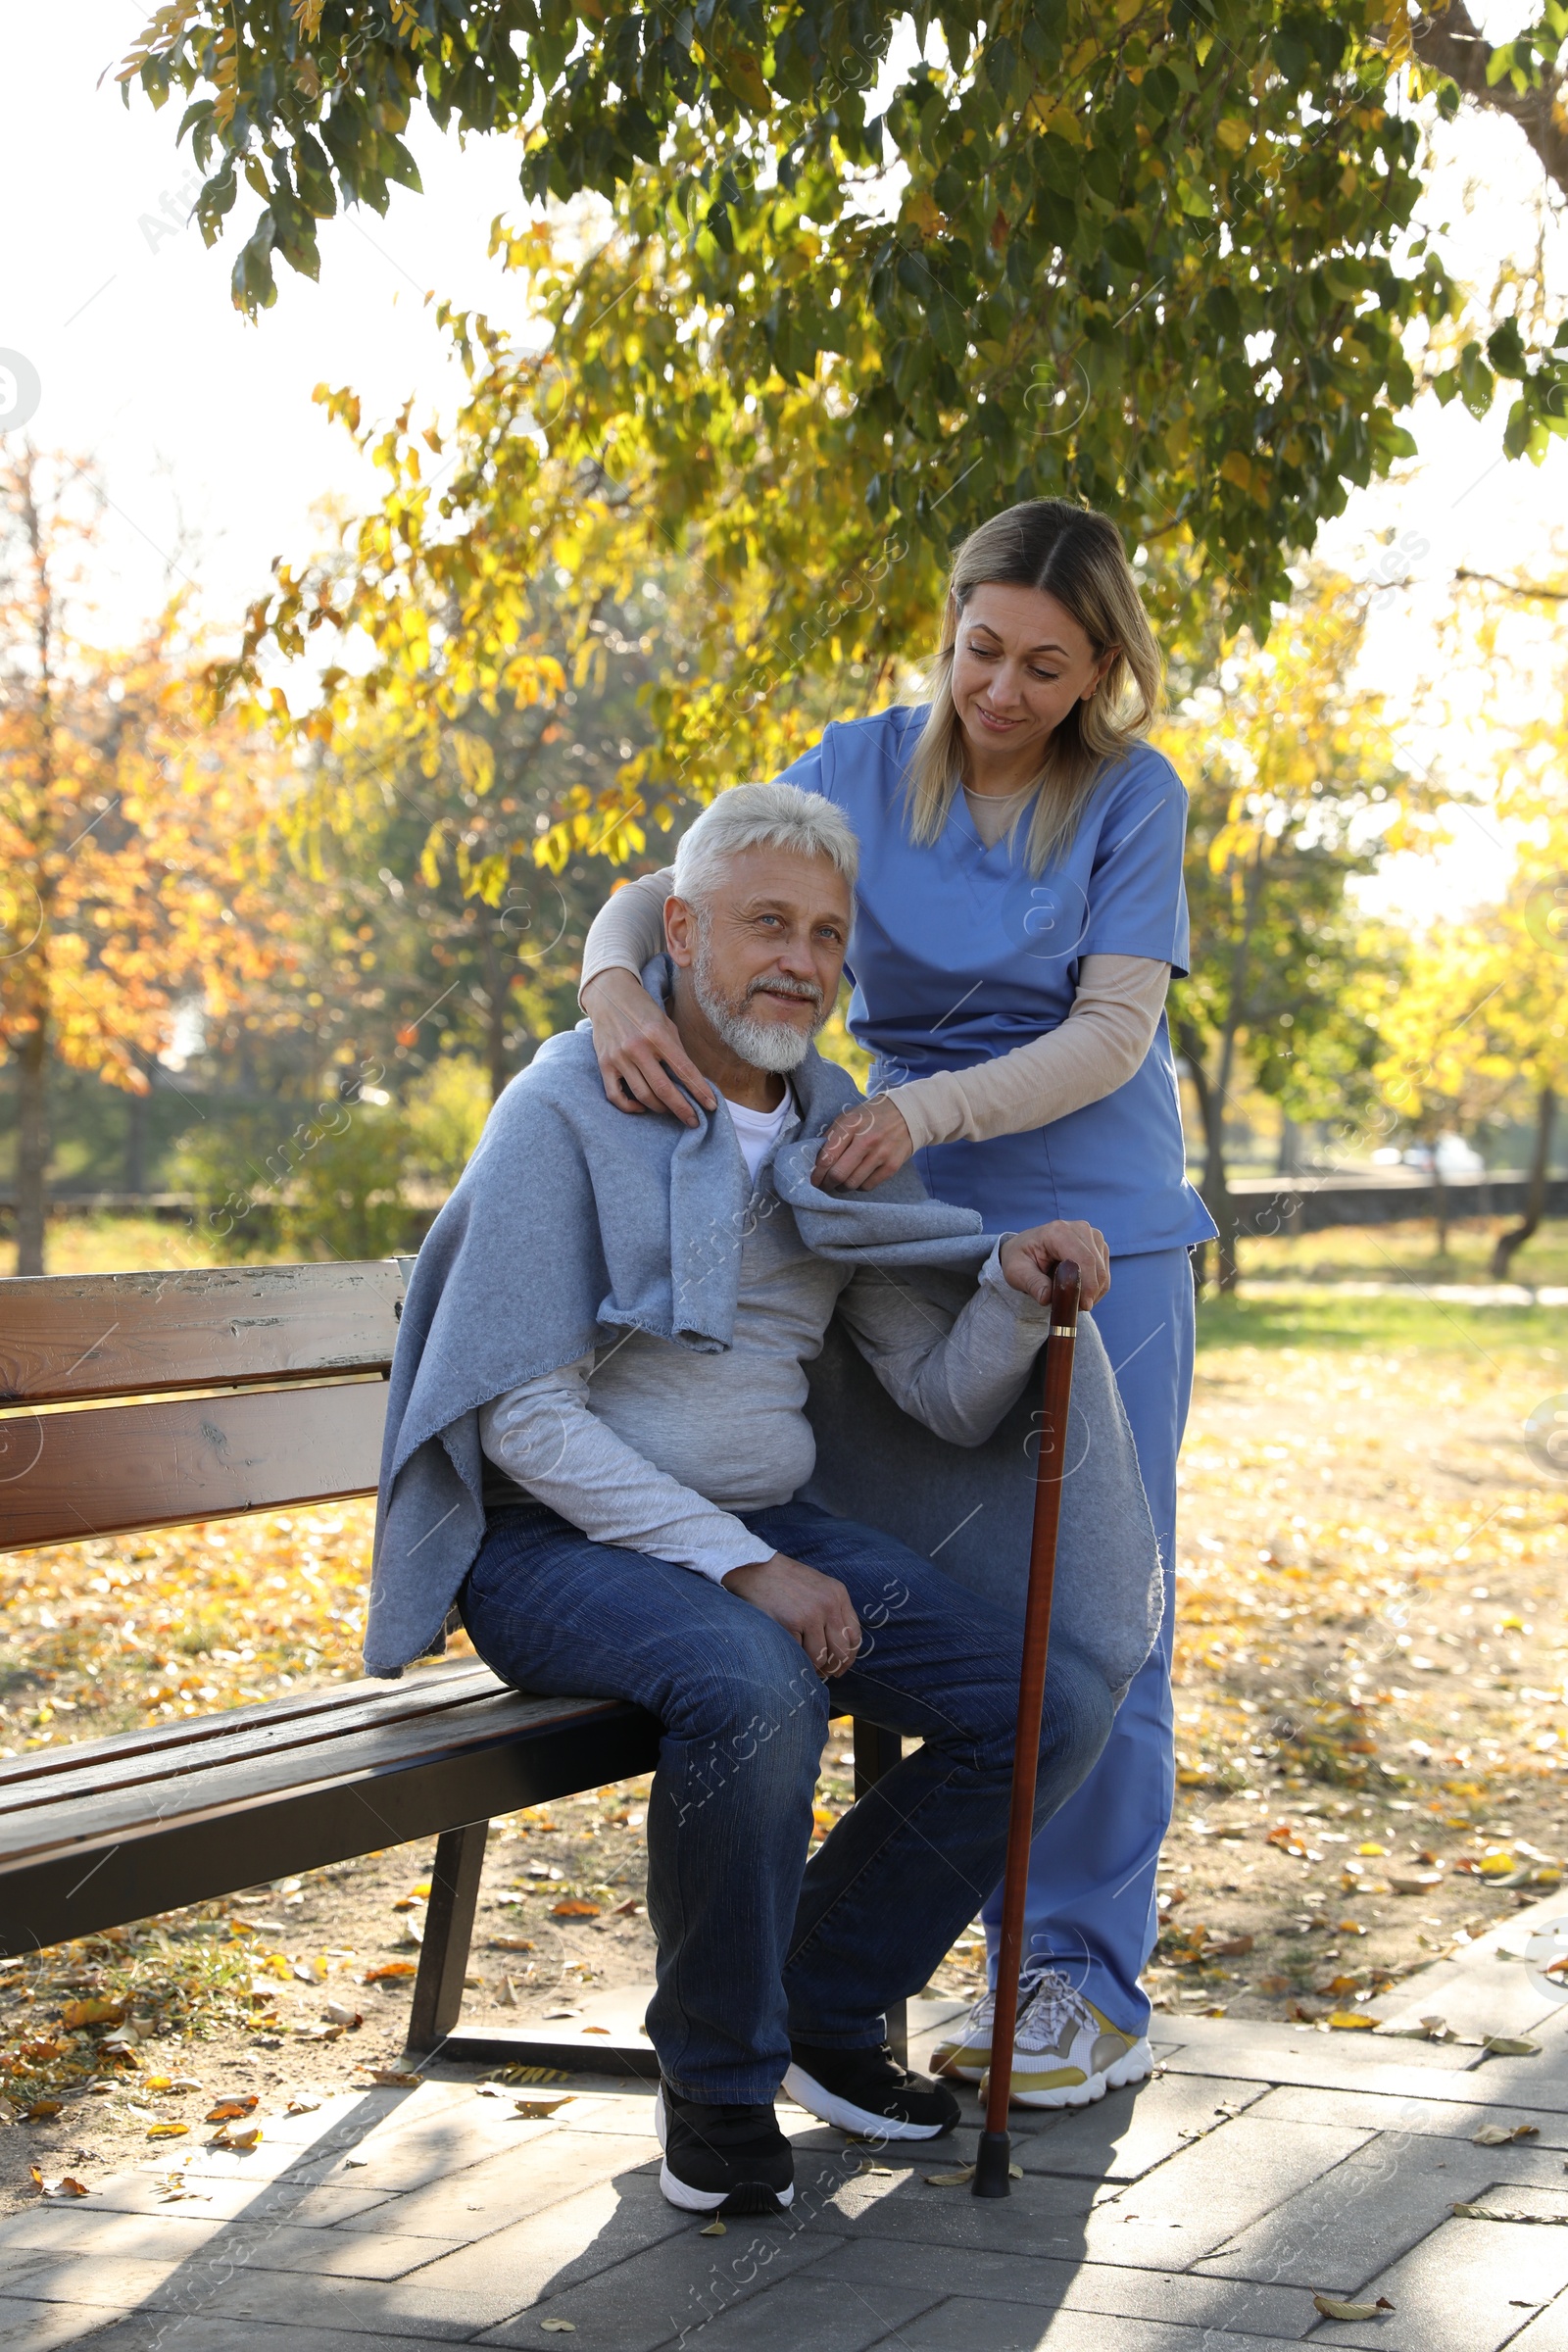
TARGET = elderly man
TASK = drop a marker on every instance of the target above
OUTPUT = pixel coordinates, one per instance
(597, 1443)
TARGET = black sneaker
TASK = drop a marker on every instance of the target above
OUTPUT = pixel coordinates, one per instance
(868, 2092)
(723, 2160)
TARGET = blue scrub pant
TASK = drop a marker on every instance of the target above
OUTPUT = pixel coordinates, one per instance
(1091, 1905)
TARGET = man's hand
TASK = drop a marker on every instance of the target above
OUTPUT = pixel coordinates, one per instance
(864, 1146)
(639, 1050)
(814, 1608)
(1028, 1257)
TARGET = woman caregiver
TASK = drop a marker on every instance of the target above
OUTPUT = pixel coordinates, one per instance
(1019, 914)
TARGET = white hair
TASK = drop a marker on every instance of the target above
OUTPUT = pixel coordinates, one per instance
(763, 816)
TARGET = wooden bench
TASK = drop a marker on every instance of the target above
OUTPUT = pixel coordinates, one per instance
(135, 1402)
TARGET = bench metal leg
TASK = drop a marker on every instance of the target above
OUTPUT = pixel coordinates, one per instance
(876, 1751)
(448, 1933)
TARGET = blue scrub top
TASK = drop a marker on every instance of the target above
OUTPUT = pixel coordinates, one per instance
(959, 954)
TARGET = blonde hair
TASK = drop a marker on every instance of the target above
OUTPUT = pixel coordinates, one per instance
(1076, 556)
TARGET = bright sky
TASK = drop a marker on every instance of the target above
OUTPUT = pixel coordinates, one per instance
(214, 455)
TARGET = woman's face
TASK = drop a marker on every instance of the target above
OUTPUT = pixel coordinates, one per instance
(1019, 663)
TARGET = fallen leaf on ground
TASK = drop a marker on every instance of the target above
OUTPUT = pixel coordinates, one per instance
(229, 2111)
(1498, 2135)
(1510, 2045)
(714, 2229)
(167, 2130)
(1334, 2307)
(337, 2014)
(560, 2326)
(390, 1968)
(627, 1910)
(512, 1944)
(249, 2137)
(868, 2165)
(396, 2077)
(303, 2102)
(534, 2109)
(64, 2186)
(41, 2111)
(571, 1908)
(1415, 1882)
(1351, 2021)
(93, 2013)
(1227, 1947)
(1349, 1927)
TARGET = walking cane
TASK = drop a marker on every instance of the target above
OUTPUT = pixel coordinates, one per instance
(991, 2173)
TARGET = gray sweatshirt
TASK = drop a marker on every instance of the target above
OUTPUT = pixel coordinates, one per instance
(658, 1448)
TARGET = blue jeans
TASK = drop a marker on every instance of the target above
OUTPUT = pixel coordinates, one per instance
(756, 1944)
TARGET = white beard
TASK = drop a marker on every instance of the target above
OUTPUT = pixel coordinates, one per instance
(766, 1044)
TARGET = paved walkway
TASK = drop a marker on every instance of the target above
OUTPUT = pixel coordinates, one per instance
(1263, 2164)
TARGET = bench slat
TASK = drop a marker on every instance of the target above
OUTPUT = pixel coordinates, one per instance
(92, 1867)
(135, 1466)
(311, 1714)
(153, 1807)
(267, 1734)
(65, 1336)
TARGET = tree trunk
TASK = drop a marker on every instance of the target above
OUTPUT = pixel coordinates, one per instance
(1536, 1198)
(498, 1004)
(1440, 1203)
(1215, 1187)
(135, 1171)
(32, 1146)
(1291, 1156)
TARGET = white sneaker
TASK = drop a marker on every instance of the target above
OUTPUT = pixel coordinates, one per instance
(1066, 2052)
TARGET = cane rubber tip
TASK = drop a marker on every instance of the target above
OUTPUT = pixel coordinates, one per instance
(992, 2159)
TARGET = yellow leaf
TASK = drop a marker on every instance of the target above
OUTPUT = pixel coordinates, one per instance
(167, 2130)
(714, 2229)
(1351, 2021)
(572, 1908)
(93, 2013)
(559, 2327)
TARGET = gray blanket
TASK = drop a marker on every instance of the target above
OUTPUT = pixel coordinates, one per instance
(572, 1222)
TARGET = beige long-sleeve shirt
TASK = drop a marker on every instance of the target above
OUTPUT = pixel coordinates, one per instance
(1104, 1040)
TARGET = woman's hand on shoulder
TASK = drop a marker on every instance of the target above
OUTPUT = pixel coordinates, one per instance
(865, 1145)
(639, 1050)
(1028, 1259)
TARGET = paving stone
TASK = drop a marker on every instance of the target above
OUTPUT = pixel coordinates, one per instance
(1350, 2224)
(408, 2160)
(149, 2331)
(1216, 2187)
(65, 2231)
(1367, 2062)
(1435, 2119)
(45, 2327)
(1548, 2333)
(685, 2287)
(293, 2201)
(800, 2316)
(962, 2326)
(1466, 2288)
(897, 2202)
(506, 2188)
(570, 2241)
(1126, 2133)
(1022, 2277)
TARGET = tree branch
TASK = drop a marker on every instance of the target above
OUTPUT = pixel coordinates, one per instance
(1525, 590)
(1453, 44)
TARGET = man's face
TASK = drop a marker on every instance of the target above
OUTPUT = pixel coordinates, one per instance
(764, 950)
